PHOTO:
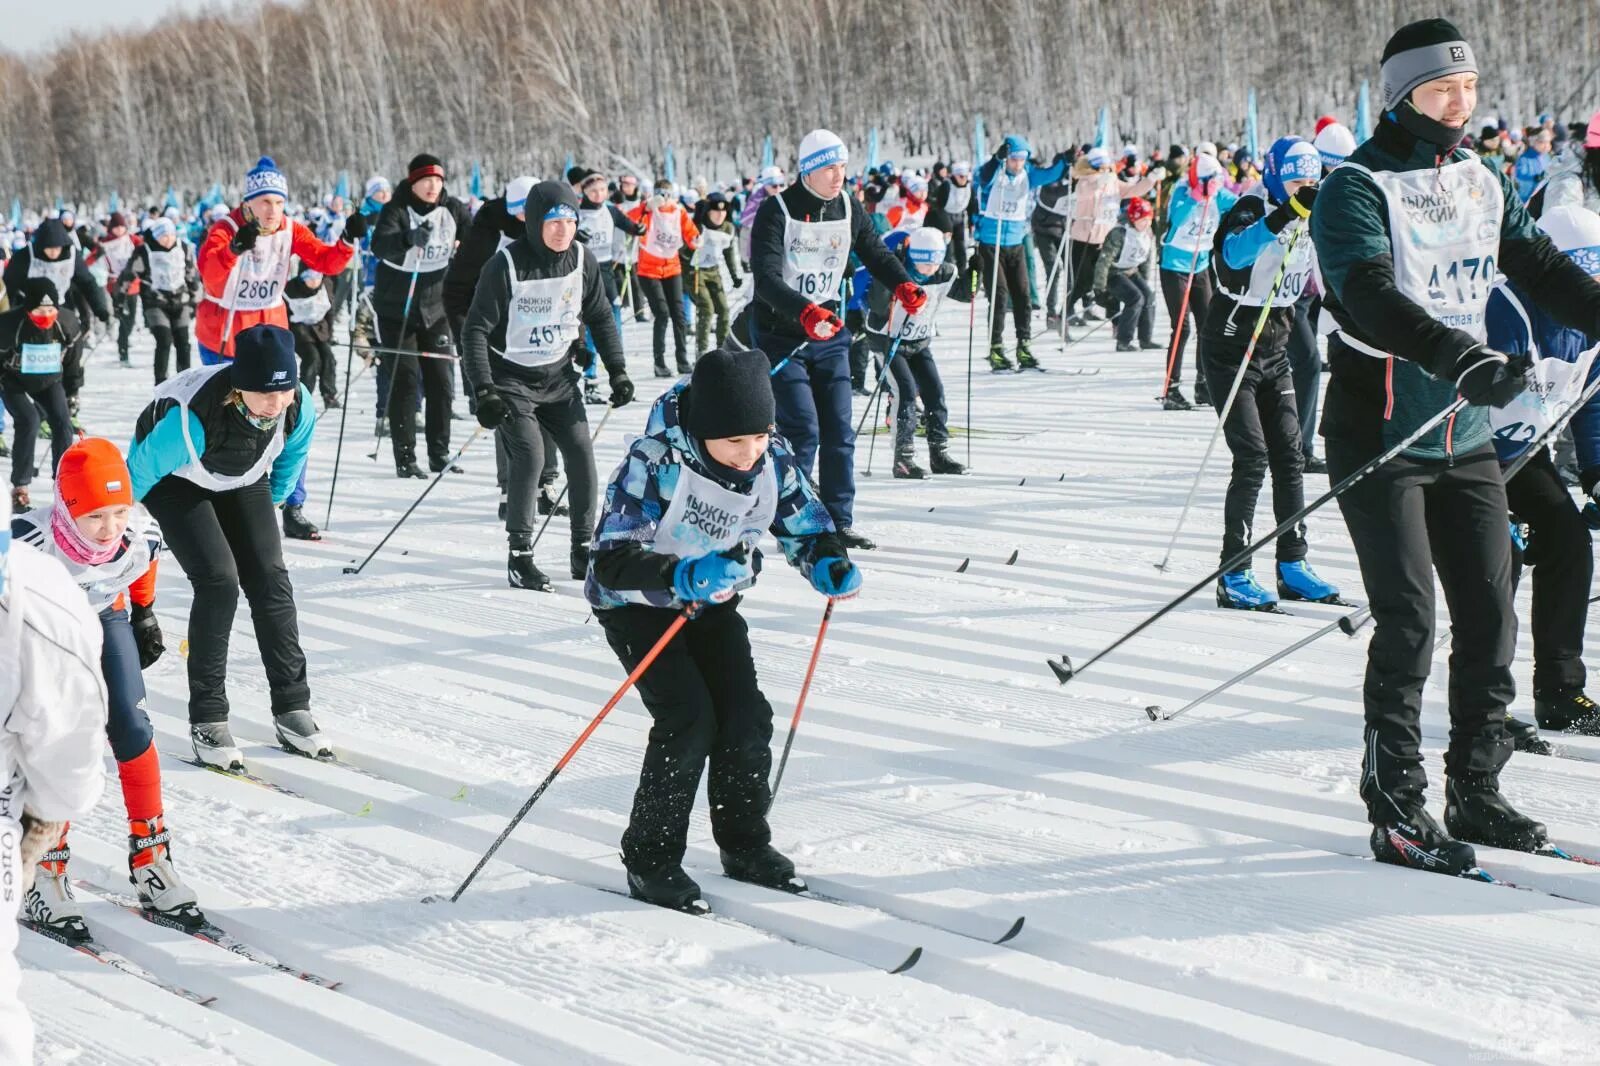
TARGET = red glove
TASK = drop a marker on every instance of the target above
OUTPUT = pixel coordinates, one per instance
(819, 323)
(911, 296)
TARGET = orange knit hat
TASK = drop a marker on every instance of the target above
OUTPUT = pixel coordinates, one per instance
(93, 475)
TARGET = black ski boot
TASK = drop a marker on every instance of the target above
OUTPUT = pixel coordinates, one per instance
(1474, 810)
(667, 886)
(445, 464)
(411, 469)
(765, 866)
(662, 371)
(522, 574)
(1419, 843)
(1525, 737)
(940, 461)
(1175, 400)
(906, 468)
(1567, 711)
(851, 539)
(580, 560)
(296, 526)
(549, 504)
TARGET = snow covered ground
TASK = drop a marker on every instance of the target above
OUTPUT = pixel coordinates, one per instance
(1196, 890)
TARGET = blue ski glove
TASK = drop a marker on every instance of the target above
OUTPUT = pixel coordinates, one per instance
(710, 578)
(835, 577)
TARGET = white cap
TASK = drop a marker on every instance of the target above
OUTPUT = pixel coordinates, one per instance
(517, 193)
(915, 184)
(1206, 166)
(925, 247)
(771, 175)
(1206, 148)
(376, 184)
(821, 148)
(1334, 144)
(1576, 231)
(961, 166)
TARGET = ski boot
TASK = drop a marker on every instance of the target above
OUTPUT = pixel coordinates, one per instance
(331, 403)
(411, 469)
(214, 746)
(160, 889)
(1025, 359)
(684, 366)
(997, 358)
(906, 468)
(860, 541)
(122, 358)
(299, 735)
(1567, 711)
(1150, 346)
(940, 461)
(1175, 400)
(522, 574)
(661, 370)
(1297, 581)
(1419, 843)
(765, 866)
(296, 526)
(50, 903)
(445, 464)
(1525, 737)
(1475, 811)
(1239, 591)
(667, 886)
(591, 394)
(1315, 464)
(1077, 320)
(550, 503)
(1127, 346)
(579, 560)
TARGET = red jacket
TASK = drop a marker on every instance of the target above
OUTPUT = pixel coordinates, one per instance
(216, 262)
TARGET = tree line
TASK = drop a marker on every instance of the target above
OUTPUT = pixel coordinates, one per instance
(519, 85)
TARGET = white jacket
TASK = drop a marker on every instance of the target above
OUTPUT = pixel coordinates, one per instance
(52, 738)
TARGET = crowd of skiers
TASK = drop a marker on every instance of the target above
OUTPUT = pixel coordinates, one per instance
(1456, 290)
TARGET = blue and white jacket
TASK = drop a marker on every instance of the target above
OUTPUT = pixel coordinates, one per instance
(1191, 222)
(1012, 231)
(1564, 364)
(629, 563)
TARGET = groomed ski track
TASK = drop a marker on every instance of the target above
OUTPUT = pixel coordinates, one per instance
(1194, 891)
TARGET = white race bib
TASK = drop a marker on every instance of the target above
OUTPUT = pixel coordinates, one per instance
(1008, 197)
(544, 318)
(166, 268)
(816, 255)
(41, 358)
(665, 236)
(704, 517)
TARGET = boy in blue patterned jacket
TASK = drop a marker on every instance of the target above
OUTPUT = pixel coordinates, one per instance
(683, 514)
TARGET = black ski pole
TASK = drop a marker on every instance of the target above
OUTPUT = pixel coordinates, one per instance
(431, 485)
(1350, 624)
(1065, 671)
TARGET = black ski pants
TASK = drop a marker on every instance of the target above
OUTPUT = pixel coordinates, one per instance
(1305, 364)
(1263, 433)
(1084, 257)
(25, 403)
(438, 389)
(1010, 281)
(533, 423)
(227, 542)
(1409, 519)
(1173, 283)
(706, 707)
(1138, 302)
(666, 306)
(1562, 558)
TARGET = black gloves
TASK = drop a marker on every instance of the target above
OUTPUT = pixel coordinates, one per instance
(621, 390)
(355, 227)
(1302, 200)
(491, 408)
(147, 635)
(1487, 378)
(245, 239)
(420, 235)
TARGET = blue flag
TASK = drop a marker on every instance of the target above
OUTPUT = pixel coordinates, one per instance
(16, 213)
(1251, 136)
(766, 153)
(980, 143)
(1363, 128)
(341, 188)
(669, 167)
(172, 199)
(569, 165)
(116, 202)
(1102, 129)
(872, 150)
(475, 185)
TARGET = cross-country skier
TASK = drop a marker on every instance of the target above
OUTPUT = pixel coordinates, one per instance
(169, 283)
(522, 333)
(117, 247)
(948, 204)
(110, 550)
(311, 314)
(33, 337)
(1122, 276)
(413, 240)
(1410, 232)
(52, 739)
(54, 254)
(1097, 203)
(683, 515)
(667, 228)
(1262, 255)
(1193, 216)
(216, 450)
(713, 253)
(1005, 187)
(915, 372)
(1558, 545)
(799, 256)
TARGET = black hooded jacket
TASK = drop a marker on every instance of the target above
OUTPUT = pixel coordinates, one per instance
(17, 329)
(391, 240)
(478, 244)
(527, 258)
(87, 295)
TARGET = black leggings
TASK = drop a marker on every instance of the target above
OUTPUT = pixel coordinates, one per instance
(53, 402)
(1011, 280)
(1084, 257)
(1172, 285)
(666, 305)
(225, 542)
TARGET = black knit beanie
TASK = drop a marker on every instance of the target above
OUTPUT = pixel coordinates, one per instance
(424, 165)
(729, 395)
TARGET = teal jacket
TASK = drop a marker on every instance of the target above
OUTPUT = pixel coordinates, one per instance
(1372, 403)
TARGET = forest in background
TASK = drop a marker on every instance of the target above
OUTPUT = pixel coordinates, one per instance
(517, 86)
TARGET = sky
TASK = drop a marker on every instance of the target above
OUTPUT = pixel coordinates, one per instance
(35, 25)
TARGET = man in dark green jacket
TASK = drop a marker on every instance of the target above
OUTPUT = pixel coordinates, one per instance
(1411, 234)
